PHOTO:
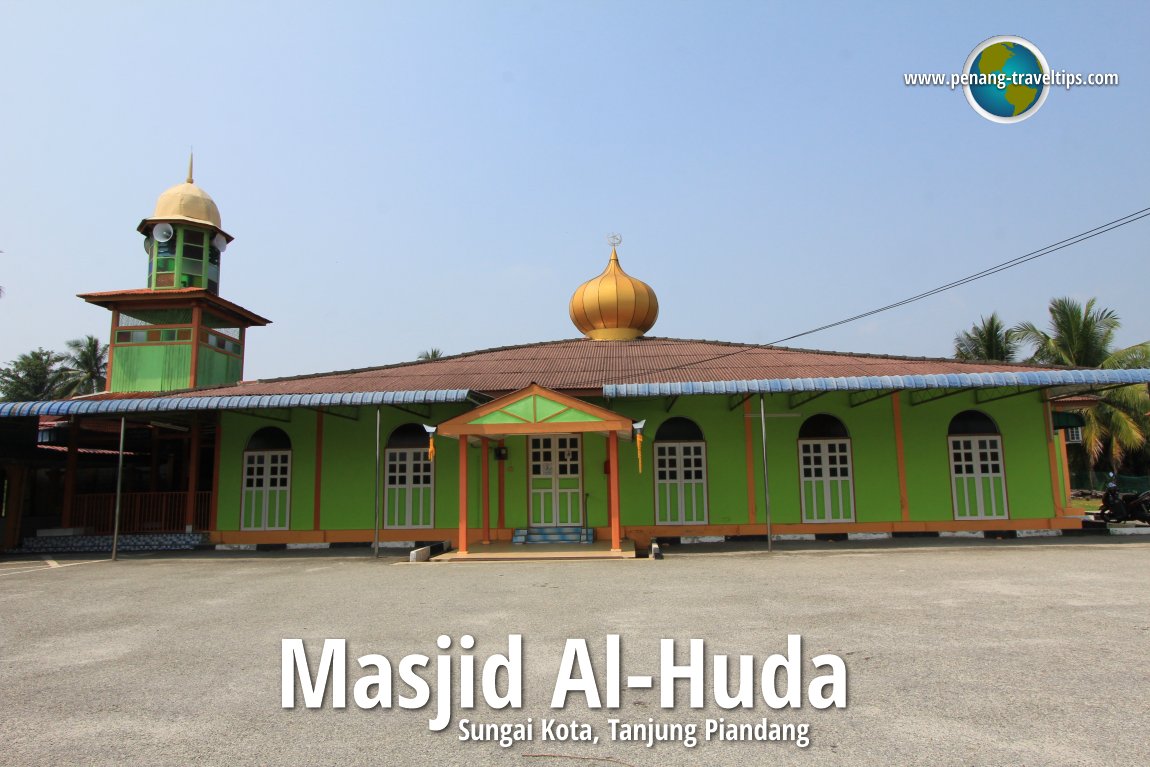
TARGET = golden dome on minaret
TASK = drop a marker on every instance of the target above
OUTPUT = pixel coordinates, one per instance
(188, 203)
(614, 306)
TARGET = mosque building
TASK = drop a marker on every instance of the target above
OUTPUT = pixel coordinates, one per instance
(595, 444)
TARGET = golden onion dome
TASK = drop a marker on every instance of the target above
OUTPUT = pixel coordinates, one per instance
(188, 203)
(614, 306)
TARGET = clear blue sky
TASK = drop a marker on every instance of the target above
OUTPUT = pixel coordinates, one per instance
(402, 176)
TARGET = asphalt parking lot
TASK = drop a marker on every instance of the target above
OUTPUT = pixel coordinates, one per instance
(1029, 652)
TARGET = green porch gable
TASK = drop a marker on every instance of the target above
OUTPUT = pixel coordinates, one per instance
(536, 409)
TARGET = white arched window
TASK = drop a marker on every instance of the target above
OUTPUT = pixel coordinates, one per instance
(825, 470)
(977, 474)
(267, 481)
(680, 473)
(409, 500)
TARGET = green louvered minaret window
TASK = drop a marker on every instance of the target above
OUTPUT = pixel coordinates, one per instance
(189, 259)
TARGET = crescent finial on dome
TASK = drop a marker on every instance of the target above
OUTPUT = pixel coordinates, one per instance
(614, 306)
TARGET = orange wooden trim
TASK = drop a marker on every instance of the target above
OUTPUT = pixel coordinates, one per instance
(613, 509)
(344, 536)
(513, 415)
(556, 414)
(545, 427)
(643, 534)
(243, 336)
(462, 543)
(209, 347)
(1055, 493)
(749, 441)
(1065, 469)
(646, 532)
(70, 471)
(158, 326)
(193, 474)
(216, 471)
(176, 299)
(900, 455)
(462, 423)
(485, 490)
(153, 343)
(197, 328)
(501, 519)
(318, 467)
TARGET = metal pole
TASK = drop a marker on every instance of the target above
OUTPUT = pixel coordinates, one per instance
(766, 483)
(375, 545)
(119, 491)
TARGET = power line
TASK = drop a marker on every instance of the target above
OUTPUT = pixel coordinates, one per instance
(1017, 261)
(1082, 237)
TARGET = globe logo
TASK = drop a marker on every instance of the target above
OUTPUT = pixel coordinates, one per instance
(1005, 79)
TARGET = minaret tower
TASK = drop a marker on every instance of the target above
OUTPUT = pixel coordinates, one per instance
(177, 333)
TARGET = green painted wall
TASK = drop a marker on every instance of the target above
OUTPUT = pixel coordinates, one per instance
(237, 430)
(1022, 424)
(162, 367)
(214, 367)
(349, 452)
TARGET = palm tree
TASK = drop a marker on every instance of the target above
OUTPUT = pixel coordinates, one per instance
(1083, 336)
(85, 365)
(988, 340)
(34, 376)
(429, 354)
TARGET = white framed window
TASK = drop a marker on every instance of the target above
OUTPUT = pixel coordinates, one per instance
(977, 468)
(409, 479)
(266, 502)
(1074, 435)
(826, 474)
(680, 473)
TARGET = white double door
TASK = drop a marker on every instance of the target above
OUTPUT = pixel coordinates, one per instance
(978, 481)
(680, 483)
(267, 490)
(827, 480)
(556, 481)
(410, 493)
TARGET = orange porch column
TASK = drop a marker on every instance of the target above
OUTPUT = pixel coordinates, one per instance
(1066, 489)
(502, 519)
(484, 490)
(193, 476)
(462, 493)
(1055, 490)
(613, 504)
(197, 328)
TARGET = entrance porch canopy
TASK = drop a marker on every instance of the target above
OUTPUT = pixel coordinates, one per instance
(535, 410)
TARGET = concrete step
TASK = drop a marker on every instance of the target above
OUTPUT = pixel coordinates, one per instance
(527, 535)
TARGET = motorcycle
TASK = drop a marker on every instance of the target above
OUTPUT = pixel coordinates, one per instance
(1123, 507)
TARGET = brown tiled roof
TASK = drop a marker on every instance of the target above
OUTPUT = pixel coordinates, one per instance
(583, 365)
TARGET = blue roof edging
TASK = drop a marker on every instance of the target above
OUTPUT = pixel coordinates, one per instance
(879, 383)
(243, 402)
